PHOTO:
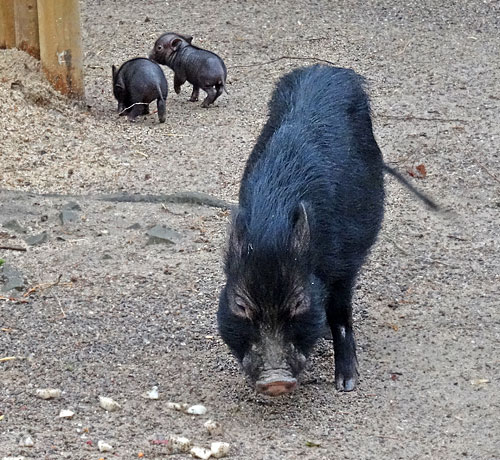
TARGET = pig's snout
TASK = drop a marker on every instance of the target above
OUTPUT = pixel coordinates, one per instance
(276, 387)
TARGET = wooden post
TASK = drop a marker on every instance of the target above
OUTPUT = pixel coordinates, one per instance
(7, 26)
(61, 45)
(26, 20)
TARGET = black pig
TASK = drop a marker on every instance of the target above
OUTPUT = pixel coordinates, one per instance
(310, 207)
(136, 84)
(203, 69)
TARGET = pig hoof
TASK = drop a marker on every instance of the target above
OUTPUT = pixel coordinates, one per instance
(205, 105)
(345, 384)
(193, 99)
(162, 120)
(177, 89)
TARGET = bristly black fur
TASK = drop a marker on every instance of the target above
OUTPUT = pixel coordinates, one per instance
(316, 157)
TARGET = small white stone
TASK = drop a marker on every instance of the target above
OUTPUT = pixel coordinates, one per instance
(104, 446)
(213, 427)
(108, 404)
(13, 458)
(219, 449)
(48, 393)
(200, 452)
(152, 394)
(198, 409)
(65, 413)
(173, 405)
(179, 444)
(27, 442)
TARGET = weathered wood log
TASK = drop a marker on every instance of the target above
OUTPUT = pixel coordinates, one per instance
(26, 25)
(61, 45)
(7, 25)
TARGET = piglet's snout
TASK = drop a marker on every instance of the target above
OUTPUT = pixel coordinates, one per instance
(276, 387)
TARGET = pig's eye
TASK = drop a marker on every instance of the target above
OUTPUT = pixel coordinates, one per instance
(241, 308)
(159, 47)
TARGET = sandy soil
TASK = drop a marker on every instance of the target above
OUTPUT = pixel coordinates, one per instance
(111, 315)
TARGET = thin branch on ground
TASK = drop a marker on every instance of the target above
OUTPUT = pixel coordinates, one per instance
(13, 299)
(42, 287)
(413, 117)
(130, 106)
(485, 170)
(13, 248)
(281, 58)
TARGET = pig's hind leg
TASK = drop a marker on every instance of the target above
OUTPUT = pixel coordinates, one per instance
(339, 314)
(136, 110)
(195, 94)
(211, 96)
(160, 103)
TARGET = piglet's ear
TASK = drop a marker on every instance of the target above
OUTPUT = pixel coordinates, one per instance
(188, 38)
(301, 236)
(113, 70)
(175, 43)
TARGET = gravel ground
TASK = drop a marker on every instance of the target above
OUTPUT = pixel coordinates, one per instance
(109, 314)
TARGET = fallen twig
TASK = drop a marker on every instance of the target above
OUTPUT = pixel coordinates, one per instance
(485, 170)
(130, 106)
(13, 299)
(7, 358)
(404, 47)
(13, 248)
(42, 287)
(413, 117)
(299, 58)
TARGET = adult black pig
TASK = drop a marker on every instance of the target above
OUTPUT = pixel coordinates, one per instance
(136, 84)
(310, 207)
(203, 69)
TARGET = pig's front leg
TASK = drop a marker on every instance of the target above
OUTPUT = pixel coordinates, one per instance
(178, 82)
(339, 315)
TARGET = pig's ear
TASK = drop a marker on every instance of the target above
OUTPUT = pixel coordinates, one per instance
(175, 43)
(301, 236)
(237, 236)
(188, 38)
(113, 70)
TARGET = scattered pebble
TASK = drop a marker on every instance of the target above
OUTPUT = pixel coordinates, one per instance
(13, 458)
(66, 413)
(108, 404)
(35, 240)
(219, 449)
(200, 452)
(27, 442)
(178, 444)
(198, 409)
(176, 406)
(152, 394)
(213, 427)
(104, 446)
(48, 393)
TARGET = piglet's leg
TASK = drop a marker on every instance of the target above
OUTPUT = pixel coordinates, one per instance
(178, 82)
(195, 94)
(135, 111)
(211, 96)
(161, 110)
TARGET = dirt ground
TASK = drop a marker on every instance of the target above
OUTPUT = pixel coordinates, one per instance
(108, 314)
